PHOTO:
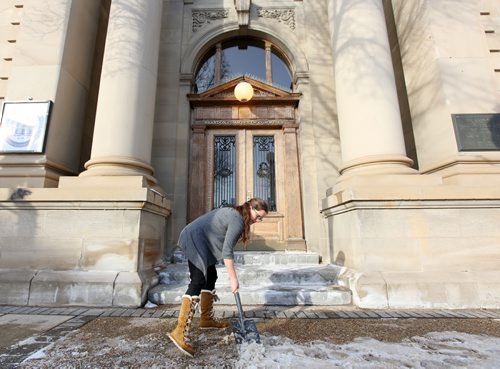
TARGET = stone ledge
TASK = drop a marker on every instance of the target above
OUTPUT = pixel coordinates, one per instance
(74, 288)
(18, 281)
(426, 290)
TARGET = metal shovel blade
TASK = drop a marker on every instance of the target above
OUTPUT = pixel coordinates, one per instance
(244, 330)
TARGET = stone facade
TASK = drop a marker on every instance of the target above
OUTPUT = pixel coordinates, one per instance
(388, 186)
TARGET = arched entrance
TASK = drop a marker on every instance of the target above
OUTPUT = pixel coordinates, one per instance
(243, 150)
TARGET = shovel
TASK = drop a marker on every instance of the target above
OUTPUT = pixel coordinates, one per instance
(244, 330)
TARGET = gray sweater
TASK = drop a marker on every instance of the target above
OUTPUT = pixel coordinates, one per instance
(212, 237)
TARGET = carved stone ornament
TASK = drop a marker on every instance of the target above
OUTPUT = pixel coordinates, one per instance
(243, 11)
(282, 15)
(202, 16)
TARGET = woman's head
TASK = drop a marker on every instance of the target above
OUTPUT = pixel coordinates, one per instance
(258, 209)
(252, 211)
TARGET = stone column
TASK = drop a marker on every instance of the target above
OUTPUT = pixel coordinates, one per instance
(125, 111)
(218, 62)
(269, 63)
(368, 112)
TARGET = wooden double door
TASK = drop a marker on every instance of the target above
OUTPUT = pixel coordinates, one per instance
(243, 163)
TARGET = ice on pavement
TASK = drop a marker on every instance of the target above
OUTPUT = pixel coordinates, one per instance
(433, 350)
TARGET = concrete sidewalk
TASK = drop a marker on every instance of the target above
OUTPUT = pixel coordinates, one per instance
(37, 327)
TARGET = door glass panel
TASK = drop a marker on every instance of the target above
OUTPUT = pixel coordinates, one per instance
(224, 171)
(264, 174)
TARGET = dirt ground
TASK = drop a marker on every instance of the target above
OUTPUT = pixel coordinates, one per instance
(388, 330)
(143, 343)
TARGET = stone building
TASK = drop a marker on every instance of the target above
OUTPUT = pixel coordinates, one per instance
(373, 131)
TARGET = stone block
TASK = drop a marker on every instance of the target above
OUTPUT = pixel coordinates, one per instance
(131, 288)
(369, 290)
(40, 253)
(110, 254)
(76, 223)
(15, 286)
(434, 290)
(87, 288)
(488, 288)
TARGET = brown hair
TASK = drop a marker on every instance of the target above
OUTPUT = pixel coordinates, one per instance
(244, 210)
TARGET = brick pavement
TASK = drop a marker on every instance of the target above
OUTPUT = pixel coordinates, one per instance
(260, 312)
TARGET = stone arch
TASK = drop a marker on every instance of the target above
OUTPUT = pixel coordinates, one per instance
(297, 62)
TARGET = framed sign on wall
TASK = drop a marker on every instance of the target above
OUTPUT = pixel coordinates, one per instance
(23, 127)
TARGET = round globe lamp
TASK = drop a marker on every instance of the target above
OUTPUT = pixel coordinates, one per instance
(243, 91)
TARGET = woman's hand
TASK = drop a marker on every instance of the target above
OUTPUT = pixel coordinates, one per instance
(233, 278)
(235, 284)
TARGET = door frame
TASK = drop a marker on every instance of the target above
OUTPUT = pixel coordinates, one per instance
(270, 110)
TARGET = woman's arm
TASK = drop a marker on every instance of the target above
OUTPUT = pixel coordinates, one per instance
(231, 271)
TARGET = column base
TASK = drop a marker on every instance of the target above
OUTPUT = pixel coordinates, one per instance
(378, 164)
(119, 166)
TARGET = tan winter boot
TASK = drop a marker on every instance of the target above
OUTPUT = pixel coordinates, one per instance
(179, 335)
(207, 320)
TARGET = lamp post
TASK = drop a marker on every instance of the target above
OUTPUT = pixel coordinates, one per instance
(243, 91)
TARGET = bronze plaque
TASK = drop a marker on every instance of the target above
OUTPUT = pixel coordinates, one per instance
(477, 132)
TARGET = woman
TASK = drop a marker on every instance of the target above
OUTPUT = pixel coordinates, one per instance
(207, 240)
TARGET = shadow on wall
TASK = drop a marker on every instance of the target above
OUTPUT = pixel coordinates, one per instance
(494, 127)
(19, 194)
(340, 259)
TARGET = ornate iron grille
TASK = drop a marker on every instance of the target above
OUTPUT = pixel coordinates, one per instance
(224, 171)
(264, 174)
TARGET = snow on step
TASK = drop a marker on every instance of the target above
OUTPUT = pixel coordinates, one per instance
(265, 278)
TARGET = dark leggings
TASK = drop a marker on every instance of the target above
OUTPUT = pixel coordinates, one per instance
(199, 282)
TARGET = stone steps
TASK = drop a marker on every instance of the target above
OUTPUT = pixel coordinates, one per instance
(265, 279)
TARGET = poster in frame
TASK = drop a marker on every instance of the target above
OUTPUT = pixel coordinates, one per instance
(23, 127)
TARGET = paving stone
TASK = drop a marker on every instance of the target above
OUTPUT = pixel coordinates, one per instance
(93, 312)
(269, 314)
(229, 314)
(118, 312)
(341, 314)
(259, 314)
(432, 314)
(321, 315)
(23, 310)
(107, 312)
(37, 310)
(456, 314)
(157, 314)
(43, 311)
(310, 314)
(148, 313)
(484, 314)
(360, 314)
(127, 312)
(383, 314)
